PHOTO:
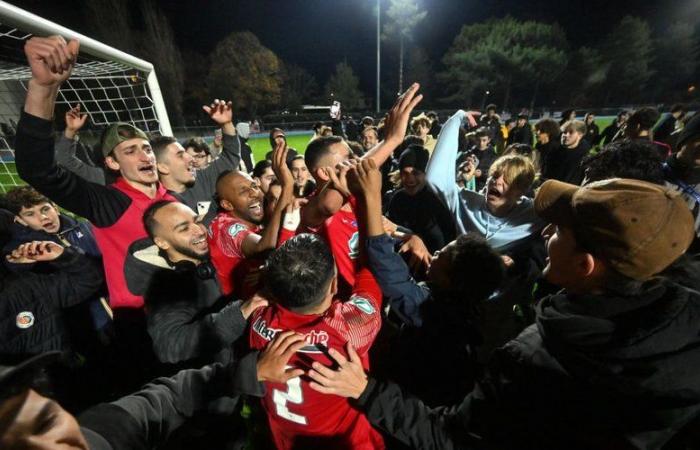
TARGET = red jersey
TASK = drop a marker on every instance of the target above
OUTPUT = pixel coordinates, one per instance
(225, 236)
(298, 415)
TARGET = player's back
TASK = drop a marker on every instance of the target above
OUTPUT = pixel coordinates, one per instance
(299, 416)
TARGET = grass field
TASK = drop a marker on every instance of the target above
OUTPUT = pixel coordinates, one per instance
(260, 146)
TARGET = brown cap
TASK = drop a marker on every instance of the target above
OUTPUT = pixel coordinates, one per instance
(638, 228)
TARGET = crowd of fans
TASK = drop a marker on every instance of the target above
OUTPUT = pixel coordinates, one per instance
(473, 284)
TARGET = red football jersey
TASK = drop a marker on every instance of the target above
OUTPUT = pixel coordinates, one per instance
(298, 415)
(225, 236)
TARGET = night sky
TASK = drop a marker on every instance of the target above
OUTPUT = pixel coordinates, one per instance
(317, 34)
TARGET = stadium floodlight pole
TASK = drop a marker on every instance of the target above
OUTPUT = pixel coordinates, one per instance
(17, 17)
(379, 14)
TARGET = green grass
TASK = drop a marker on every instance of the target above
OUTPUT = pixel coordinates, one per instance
(261, 145)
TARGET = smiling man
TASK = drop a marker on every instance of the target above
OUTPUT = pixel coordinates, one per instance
(235, 235)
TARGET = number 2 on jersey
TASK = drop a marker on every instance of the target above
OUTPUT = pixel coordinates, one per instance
(293, 395)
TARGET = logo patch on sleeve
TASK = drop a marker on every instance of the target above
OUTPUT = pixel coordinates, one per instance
(24, 320)
(236, 228)
(362, 304)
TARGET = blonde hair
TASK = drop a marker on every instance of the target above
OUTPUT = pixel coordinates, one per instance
(518, 171)
(574, 125)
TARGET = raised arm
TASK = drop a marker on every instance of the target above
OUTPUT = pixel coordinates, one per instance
(66, 147)
(221, 113)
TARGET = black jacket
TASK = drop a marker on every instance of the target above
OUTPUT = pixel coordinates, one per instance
(146, 419)
(564, 164)
(190, 322)
(520, 135)
(595, 371)
(31, 320)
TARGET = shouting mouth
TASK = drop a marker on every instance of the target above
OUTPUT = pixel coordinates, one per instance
(256, 208)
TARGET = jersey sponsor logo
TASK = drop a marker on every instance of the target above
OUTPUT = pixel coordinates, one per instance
(236, 228)
(354, 245)
(362, 304)
(316, 341)
(24, 320)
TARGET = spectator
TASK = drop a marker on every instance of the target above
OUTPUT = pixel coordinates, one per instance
(492, 122)
(466, 173)
(199, 151)
(613, 317)
(567, 115)
(264, 175)
(247, 157)
(521, 133)
(303, 282)
(277, 136)
(500, 213)
(236, 240)
(303, 184)
(485, 154)
(369, 138)
(366, 121)
(564, 164)
(639, 126)
(592, 130)
(420, 126)
(634, 159)
(547, 132)
(434, 124)
(670, 123)
(415, 207)
(614, 131)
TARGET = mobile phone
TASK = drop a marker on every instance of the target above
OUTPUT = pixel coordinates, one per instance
(335, 110)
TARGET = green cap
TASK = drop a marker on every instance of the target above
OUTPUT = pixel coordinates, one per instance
(118, 133)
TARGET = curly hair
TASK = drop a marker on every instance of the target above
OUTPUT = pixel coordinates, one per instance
(636, 159)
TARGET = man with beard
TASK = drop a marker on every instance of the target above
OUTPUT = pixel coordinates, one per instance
(189, 320)
(235, 235)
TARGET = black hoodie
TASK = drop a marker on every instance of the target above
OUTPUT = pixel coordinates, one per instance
(595, 371)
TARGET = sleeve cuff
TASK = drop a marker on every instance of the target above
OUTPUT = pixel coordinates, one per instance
(364, 398)
(34, 126)
(244, 379)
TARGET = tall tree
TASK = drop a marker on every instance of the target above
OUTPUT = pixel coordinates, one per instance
(505, 55)
(344, 86)
(582, 82)
(420, 68)
(627, 51)
(675, 62)
(404, 16)
(246, 71)
(299, 86)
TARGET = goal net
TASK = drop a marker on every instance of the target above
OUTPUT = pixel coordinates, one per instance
(108, 84)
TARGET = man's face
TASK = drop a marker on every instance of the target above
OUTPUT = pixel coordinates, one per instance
(499, 194)
(272, 196)
(438, 271)
(200, 159)
(36, 422)
(541, 137)
(369, 139)
(337, 153)
(562, 253)
(267, 177)
(521, 122)
(570, 138)
(180, 233)
(178, 164)
(299, 172)
(491, 112)
(41, 217)
(412, 180)
(242, 197)
(484, 142)
(135, 161)
(421, 130)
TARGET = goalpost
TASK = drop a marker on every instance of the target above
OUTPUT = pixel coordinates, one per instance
(110, 85)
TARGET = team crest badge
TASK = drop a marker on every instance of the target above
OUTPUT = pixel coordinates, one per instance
(353, 245)
(236, 228)
(24, 320)
(362, 304)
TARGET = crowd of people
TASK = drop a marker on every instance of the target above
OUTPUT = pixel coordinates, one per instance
(402, 282)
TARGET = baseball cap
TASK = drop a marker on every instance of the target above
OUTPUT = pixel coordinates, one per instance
(638, 228)
(117, 133)
(12, 377)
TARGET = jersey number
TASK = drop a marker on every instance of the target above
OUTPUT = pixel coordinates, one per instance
(293, 395)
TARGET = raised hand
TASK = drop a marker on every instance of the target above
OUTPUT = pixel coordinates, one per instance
(420, 257)
(35, 251)
(365, 179)
(279, 166)
(51, 59)
(349, 380)
(74, 121)
(397, 118)
(272, 362)
(220, 111)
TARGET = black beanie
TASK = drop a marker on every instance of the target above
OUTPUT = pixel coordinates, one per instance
(414, 156)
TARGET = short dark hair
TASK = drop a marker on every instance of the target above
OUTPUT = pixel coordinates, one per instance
(261, 167)
(476, 269)
(645, 117)
(636, 159)
(482, 132)
(198, 145)
(159, 144)
(679, 107)
(298, 272)
(149, 223)
(23, 197)
(318, 148)
(548, 126)
(491, 106)
(318, 126)
(357, 148)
